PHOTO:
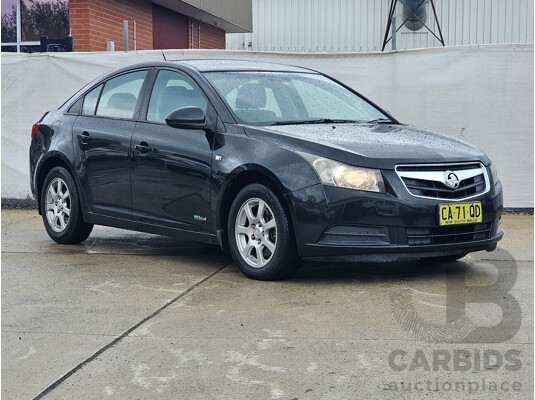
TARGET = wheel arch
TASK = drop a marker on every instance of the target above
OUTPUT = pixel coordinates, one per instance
(236, 181)
(54, 160)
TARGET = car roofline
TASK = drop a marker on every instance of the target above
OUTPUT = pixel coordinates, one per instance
(187, 65)
(312, 72)
(289, 67)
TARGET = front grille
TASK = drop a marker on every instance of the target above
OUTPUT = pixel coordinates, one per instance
(448, 234)
(468, 187)
(429, 180)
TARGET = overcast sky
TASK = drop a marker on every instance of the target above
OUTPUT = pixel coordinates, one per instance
(7, 4)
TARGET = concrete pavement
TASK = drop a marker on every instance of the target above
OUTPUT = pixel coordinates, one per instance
(131, 315)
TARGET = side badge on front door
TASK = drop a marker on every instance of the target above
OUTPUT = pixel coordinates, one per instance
(199, 218)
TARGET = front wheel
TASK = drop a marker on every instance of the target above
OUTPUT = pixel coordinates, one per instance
(60, 207)
(260, 236)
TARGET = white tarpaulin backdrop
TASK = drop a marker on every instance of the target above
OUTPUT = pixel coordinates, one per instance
(483, 94)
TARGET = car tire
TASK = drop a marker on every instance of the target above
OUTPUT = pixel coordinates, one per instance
(261, 238)
(451, 258)
(61, 210)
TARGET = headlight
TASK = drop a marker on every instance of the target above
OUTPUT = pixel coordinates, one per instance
(494, 174)
(335, 173)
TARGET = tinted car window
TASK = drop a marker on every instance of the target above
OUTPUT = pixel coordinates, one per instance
(266, 97)
(171, 91)
(90, 101)
(119, 96)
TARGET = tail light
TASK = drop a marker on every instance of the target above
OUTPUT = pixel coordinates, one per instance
(35, 128)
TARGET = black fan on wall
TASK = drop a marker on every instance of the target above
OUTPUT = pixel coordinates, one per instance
(414, 18)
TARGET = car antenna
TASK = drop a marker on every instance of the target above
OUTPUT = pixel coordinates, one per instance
(159, 44)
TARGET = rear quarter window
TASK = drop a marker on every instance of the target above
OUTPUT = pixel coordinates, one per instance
(90, 101)
(76, 108)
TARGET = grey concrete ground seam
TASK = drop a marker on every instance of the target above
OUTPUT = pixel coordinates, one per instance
(126, 333)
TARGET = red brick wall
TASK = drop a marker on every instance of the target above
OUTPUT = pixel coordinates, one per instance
(94, 22)
(211, 36)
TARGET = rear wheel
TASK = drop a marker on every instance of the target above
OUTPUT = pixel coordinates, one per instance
(60, 208)
(260, 236)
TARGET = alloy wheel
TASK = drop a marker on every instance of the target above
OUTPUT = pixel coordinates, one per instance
(256, 232)
(58, 204)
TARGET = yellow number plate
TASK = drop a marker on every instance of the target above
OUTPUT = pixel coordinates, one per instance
(464, 213)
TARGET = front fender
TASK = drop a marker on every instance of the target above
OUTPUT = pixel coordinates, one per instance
(285, 169)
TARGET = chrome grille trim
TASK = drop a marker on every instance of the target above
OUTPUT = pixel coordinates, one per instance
(436, 174)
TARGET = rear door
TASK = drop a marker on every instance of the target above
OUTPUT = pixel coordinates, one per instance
(171, 167)
(101, 137)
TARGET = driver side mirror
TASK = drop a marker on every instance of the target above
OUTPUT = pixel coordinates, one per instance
(186, 118)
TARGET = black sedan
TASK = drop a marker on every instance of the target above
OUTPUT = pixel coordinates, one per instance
(274, 163)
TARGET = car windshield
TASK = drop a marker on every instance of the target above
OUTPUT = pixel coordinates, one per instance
(266, 98)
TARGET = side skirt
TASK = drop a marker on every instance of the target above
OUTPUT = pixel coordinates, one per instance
(182, 234)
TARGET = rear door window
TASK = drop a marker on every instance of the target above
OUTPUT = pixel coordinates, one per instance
(120, 95)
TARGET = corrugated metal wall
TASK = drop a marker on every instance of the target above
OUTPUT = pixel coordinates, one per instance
(359, 25)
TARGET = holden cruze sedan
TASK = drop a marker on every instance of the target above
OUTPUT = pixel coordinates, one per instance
(273, 163)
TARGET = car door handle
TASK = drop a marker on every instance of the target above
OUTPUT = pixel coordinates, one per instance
(143, 147)
(84, 137)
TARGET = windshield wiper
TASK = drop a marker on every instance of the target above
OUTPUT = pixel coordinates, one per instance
(316, 121)
(381, 121)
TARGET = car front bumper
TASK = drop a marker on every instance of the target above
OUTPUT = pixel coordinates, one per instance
(344, 224)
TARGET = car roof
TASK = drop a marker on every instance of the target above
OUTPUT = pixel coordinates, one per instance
(241, 65)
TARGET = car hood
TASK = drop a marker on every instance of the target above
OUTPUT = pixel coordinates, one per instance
(371, 145)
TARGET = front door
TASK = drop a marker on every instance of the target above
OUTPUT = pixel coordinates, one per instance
(171, 168)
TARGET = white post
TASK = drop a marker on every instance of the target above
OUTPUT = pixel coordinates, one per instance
(19, 31)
